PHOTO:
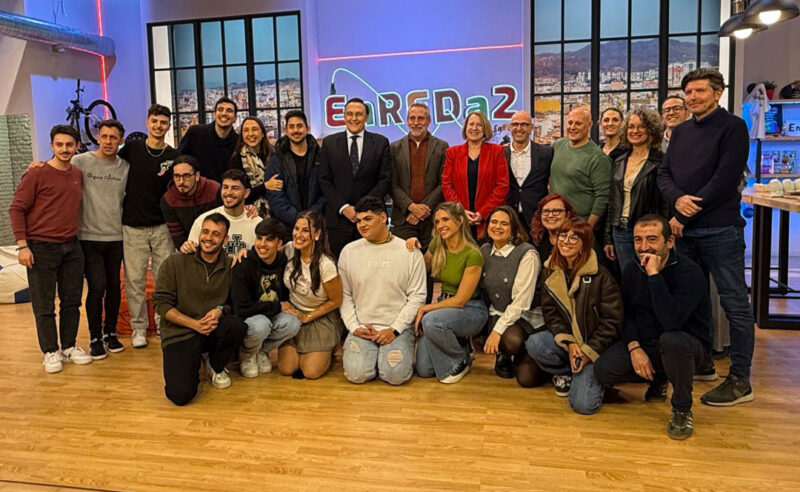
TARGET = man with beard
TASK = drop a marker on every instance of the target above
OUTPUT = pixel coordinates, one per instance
(296, 163)
(212, 144)
(242, 229)
(666, 325)
(187, 197)
(192, 298)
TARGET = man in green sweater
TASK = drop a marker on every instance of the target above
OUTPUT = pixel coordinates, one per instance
(192, 297)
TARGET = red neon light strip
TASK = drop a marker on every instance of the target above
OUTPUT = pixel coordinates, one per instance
(102, 58)
(422, 52)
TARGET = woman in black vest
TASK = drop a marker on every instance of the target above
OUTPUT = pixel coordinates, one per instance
(511, 269)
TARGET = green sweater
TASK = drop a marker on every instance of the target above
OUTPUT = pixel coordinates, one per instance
(582, 175)
(183, 284)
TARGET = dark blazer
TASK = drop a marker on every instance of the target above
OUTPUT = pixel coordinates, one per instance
(285, 204)
(534, 188)
(492, 177)
(401, 179)
(336, 178)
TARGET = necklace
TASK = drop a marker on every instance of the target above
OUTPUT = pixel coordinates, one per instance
(389, 238)
(147, 148)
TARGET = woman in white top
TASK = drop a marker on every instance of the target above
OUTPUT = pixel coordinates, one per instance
(315, 294)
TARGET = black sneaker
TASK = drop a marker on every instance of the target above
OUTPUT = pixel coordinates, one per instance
(730, 392)
(656, 390)
(562, 384)
(97, 350)
(458, 373)
(504, 366)
(681, 425)
(112, 344)
(707, 373)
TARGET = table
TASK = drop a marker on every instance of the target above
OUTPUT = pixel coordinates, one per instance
(763, 205)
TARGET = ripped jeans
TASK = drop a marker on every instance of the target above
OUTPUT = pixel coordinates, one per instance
(393, 362)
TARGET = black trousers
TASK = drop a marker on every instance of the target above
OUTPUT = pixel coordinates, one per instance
(339, 237)
(101, 263)
(676, 358)
(422, 231)
(56, 265)
(182, 359)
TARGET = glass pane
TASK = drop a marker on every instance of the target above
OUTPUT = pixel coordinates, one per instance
(577, 19)
(234, 42)
(577, 67)
(240, 116)
(644, 64)
(614, 65)
(709, 17)
(289, 84)
(186, 85)
(270, 119)
(709, 51)
(617, 100)
(682, 16)
(546, 21)
(547, 68)
(209, 117)
(211, 42)
(613, 18)
(163, 79)
(214, 83)
(266, 90)
(185, 121)
(645, 17)
(183, 42)
(682, 59)
(547, 119)
(237, 86)
(263, 40)
(572, 101)
(646, 100)
(161, 53)
(288, 37)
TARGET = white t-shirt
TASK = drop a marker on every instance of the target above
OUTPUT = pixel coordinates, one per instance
(300, 294)
(241, 235)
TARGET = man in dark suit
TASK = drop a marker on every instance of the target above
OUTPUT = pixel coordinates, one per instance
(528, 168)
(417, 179)
(353, 164)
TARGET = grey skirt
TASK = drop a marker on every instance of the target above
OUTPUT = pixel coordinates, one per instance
(320, 335)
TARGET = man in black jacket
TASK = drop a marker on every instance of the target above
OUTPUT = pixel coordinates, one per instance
(257, 291)
(212, 144)
(666, 326)
(353, 164)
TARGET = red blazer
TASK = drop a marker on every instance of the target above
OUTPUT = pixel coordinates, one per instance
(492, 177)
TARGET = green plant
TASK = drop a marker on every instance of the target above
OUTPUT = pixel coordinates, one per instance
(769, 84)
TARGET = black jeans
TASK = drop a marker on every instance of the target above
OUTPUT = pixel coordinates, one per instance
(422, 231)
(677, 357)
(56, 265)
(182, 359)
(102, 261)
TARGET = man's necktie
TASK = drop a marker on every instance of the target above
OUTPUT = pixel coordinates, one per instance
(354, 153)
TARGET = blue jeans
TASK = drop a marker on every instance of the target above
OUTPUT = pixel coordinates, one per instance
(444, 343)
(267, 332)
(364, 359)
(623, 246)
(720, 251)
(585, 394)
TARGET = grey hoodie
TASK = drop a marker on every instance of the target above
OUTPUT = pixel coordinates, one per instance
(100, 217)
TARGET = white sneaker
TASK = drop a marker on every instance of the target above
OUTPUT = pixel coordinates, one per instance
(139, 339)
(52, 362)
(248, 365)
(264, 364)
(76, 355)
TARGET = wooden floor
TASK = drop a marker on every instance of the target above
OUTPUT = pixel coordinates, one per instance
(107, 426)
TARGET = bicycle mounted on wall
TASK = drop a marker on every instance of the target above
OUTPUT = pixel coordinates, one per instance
(97, 111)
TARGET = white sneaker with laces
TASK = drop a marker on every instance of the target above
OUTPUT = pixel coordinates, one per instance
(76, 355)
(139, 339)
(264, 364)
(52, 362)
(219, 380)
(248, 365)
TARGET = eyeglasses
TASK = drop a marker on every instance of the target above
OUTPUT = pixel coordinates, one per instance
(183, 177)
(640, 128)
(555, 212)
(519, 125)
(568, 238)
(672, 109)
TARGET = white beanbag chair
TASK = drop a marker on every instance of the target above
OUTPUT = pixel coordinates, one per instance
(13, 278)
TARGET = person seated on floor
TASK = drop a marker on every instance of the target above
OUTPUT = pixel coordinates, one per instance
(315, 294)
(193, 299)
(511, 268)
(383, 286)
(666, 328)
(257, 292)
(582, 310)
(454, 259)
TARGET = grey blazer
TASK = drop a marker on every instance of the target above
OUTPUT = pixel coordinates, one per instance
(401, 177)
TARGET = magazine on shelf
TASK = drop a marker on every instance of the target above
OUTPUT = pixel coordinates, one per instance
(788, 162)
(769, 160)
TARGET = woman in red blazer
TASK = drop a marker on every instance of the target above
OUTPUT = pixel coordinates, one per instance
(475, 173)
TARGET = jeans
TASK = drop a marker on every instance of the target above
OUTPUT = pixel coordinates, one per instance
(444, 343)
(61, 265)
(720, 251)
(101, 262)
(182, 359)
(585, 393)
(623, 246)
(393, 362)
(139, 245)
(267, 332)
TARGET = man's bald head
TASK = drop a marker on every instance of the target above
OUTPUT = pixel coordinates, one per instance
(578, 125)
(521, 127)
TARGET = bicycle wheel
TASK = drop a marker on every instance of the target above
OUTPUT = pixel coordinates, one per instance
(98, 111)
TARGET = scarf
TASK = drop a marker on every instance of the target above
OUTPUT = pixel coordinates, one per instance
(255, 171)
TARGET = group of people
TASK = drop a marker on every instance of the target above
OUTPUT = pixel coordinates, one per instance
(584, 264)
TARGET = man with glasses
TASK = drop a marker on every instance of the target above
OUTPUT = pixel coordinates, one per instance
(212, 144)
(528, 168)
(189, 195)
(673, 113)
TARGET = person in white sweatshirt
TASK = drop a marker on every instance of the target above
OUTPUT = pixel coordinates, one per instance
(383, 286)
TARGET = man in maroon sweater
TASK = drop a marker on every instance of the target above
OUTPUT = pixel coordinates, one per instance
(44, 219)
(188, 196)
